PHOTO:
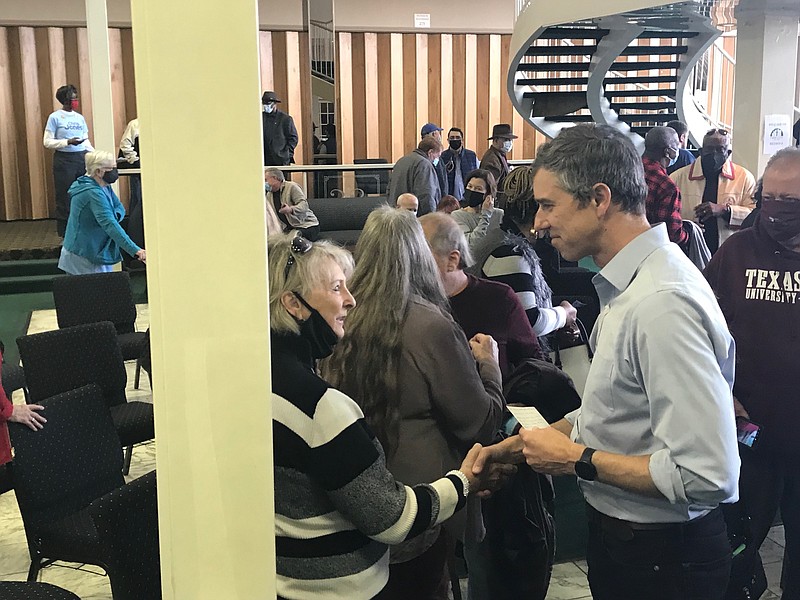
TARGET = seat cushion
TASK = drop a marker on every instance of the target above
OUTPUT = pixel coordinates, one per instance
(134, 422)
(73, 538)
(131, 344)
(31, 590)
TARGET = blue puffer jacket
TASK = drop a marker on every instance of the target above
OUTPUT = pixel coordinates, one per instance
(93, 229)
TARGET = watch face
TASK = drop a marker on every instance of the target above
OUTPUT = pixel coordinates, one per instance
(585, 470)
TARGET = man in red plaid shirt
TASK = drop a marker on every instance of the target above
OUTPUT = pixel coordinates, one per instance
(663, 204)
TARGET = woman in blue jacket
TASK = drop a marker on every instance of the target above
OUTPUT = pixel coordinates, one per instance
(94, 235)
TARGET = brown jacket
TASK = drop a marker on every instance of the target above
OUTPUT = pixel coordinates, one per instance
(496, 163)
(446, 403)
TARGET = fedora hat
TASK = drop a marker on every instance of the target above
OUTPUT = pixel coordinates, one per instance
(503, 130)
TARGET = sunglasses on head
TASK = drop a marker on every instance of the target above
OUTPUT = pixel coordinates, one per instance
(724, 132)
(299, 246)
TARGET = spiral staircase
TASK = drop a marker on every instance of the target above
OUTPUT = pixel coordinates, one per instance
(574, 62)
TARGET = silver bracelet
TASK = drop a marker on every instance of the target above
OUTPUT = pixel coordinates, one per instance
(463, 478)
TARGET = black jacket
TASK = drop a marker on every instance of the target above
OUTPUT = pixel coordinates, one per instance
(280, 138)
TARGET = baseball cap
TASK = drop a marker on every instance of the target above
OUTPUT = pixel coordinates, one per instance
(429, 128)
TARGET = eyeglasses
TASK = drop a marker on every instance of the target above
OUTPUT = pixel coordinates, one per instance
(299, 246)
(724, 132)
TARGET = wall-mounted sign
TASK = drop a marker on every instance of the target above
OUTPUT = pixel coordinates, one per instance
(777, 133)
(422, 21)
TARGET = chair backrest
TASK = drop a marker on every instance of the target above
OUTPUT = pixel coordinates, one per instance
(127, 523)
(372, 182)
(66, 359)
(74, 459)
(97, 297)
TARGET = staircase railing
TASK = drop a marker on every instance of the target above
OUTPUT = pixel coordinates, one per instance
(322, 50)
(711, 85)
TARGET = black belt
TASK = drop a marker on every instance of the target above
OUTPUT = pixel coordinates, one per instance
(624, 530)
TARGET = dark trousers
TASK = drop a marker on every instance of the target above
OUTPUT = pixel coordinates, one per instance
(135, 218)
(688, 561)
(765, 484)
(67, 167)
(310, 233)
(422, 578)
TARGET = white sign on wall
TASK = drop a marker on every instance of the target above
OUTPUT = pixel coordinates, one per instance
(422, 20)
(777, 133)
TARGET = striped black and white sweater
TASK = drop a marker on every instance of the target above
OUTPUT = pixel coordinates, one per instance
(337, 507)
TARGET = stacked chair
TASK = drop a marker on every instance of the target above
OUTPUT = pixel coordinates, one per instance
(74, 502)
(66, 359)
(81, 299)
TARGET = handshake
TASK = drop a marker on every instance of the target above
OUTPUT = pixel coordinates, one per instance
(547, 450)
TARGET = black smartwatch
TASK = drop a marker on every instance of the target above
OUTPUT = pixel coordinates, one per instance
(584, 467)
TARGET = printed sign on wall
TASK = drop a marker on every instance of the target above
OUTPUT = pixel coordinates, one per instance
(777, 133)
(422, 20)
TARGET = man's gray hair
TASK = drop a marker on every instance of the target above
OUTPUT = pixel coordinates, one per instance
(585, 155)
(276, 173)
(659, 139)
(447, 236)
(791, 153)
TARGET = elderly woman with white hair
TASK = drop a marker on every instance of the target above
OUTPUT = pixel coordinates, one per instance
(94, 236)
(337, 506)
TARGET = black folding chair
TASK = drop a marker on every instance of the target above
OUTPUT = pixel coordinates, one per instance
(66, 359)
(59, 470)
(81, 299)
(127, 524)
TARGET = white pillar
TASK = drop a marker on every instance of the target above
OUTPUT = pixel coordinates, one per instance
(198, 98)
(766, 67)
(100, 75)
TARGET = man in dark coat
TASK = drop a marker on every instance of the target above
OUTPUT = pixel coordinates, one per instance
(494, 159)
(458, 162)
(280, 134)
(431, 130)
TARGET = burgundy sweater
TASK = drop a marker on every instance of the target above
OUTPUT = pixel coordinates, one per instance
(493, 308)
(757, 283)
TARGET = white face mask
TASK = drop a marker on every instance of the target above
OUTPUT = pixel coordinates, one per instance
(507, 145)
(268, 108)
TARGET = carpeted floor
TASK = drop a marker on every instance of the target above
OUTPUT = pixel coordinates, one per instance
(29, 240)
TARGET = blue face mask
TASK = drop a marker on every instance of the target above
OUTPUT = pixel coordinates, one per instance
(672, 161)
(435, 161)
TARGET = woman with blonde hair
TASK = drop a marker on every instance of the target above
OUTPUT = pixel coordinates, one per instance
(410, 368)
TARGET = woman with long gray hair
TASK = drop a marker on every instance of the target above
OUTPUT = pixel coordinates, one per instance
(410, 368)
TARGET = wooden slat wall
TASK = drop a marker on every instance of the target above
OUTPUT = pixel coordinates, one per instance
(390, 84)
(35, 61)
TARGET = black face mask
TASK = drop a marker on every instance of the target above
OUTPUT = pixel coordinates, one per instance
(316, 331)
(473, 198)
(454, 144)
(111, 176)
(712, 163)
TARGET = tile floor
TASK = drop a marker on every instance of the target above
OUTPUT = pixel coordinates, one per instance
(90, 583)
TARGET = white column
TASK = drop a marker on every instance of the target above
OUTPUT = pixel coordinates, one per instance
(198, 97)
(766, 67)
(100, 76)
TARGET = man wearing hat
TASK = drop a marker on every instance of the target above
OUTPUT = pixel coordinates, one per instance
(280, 134)
(432, 130)
(494, 160)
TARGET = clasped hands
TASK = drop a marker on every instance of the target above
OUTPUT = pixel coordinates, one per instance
(708, 210)
(545, 450)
